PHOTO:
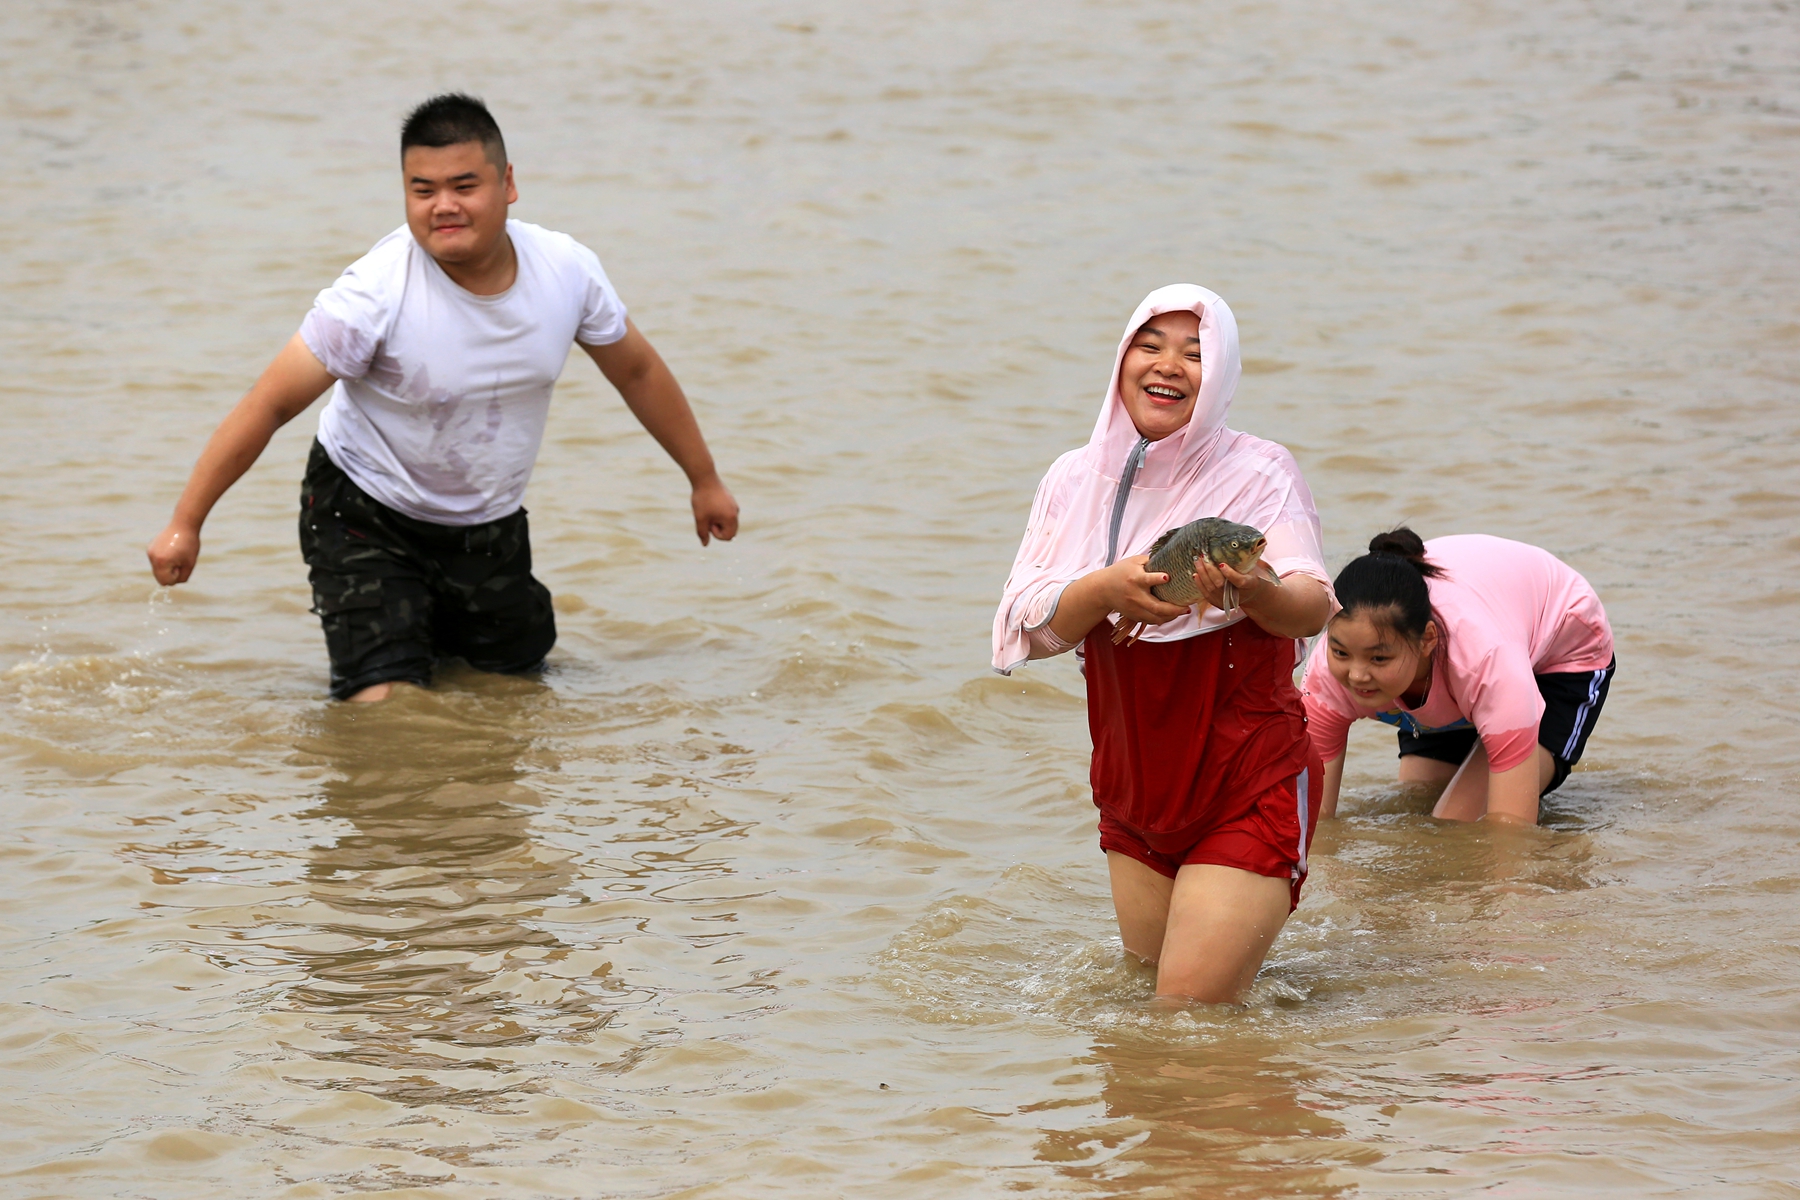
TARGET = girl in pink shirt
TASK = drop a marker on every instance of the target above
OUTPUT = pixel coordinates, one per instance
(1492, 657)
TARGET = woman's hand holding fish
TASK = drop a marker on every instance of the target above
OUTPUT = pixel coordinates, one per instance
(1132, 599)
(1246, 590)
(1122, 588)
(1295, 607)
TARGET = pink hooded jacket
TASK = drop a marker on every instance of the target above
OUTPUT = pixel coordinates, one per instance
(1083, 520)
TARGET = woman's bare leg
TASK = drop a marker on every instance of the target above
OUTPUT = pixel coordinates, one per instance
(1207, 930)
(1221, 924)
(1141, 901)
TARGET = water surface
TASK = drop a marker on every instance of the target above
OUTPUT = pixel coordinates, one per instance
(769, 887)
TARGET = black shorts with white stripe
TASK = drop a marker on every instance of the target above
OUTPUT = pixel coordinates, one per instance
(1572, 704)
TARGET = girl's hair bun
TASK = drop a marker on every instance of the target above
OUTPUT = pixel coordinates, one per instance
(1401, 541)
(1389, 584)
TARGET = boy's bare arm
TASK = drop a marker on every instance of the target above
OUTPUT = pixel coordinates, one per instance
(294, 380)
(633, 366)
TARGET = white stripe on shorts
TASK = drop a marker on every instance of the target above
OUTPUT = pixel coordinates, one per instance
(1300, 800)
(1581, 714)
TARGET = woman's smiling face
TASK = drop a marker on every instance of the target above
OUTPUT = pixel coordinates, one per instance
(1160, 375)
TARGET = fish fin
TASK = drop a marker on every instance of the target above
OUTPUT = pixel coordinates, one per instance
(1162, 541)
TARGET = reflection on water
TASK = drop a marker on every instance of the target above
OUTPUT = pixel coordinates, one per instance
(434, 872)
(425, 944)
(1179, 1116)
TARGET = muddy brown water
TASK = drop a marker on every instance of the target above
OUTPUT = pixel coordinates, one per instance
(769, 887)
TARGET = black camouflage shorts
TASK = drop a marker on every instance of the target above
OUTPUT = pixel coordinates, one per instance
(396, 594)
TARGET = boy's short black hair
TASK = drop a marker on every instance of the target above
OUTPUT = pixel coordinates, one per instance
(452, 118)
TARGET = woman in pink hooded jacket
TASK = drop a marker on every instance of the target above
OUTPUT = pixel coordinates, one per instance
(1202, 769)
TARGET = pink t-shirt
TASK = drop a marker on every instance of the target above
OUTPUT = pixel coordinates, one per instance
(1508, 612)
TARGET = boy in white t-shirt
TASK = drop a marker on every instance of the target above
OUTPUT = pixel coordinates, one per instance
(441, 346)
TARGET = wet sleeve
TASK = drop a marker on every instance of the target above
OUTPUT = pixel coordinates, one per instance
(1296, 546)
(348, 321)
(1035, 621)
(602, 312)
(1294, 549)
(1021, 623)
(1505, 706)
(1328, 710)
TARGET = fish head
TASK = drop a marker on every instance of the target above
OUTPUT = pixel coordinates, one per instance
(1239, 545)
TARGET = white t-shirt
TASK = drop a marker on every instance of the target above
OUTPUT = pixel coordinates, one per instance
(442, 395)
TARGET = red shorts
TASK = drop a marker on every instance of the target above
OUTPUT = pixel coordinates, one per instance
(1270, 838)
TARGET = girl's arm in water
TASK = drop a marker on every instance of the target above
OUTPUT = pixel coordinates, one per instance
(1478, 792)
(1513, 795)
(1334, 778)
(1510, 797)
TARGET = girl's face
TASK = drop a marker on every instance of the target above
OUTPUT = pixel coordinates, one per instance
(1373, 662)
(1160, 376)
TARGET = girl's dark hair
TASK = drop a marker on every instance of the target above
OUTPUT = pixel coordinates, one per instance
(1389, 583)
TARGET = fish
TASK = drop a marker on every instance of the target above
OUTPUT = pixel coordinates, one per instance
(1217, 541)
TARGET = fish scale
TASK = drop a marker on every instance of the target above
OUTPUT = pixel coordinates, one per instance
(1213, 538)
